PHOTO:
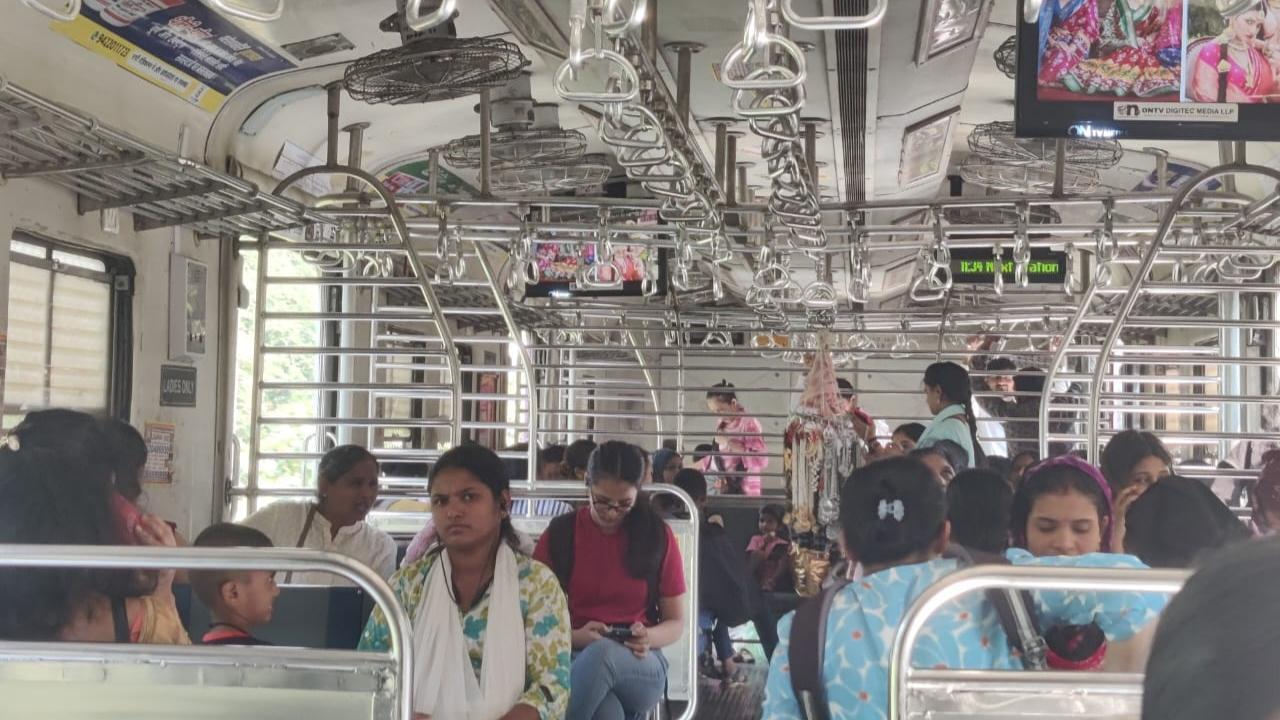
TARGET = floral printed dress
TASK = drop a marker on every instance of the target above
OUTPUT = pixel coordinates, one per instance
(865, 616)
(1139, 54)
(546, 629)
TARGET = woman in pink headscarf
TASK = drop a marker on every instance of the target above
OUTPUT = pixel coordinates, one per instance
(740, 450)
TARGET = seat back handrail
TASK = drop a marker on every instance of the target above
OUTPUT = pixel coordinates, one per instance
(997, 577)
(271, 559)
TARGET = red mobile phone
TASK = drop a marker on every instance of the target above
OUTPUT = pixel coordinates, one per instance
(127, 518)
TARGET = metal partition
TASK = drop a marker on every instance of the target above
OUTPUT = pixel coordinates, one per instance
(917, 693)
(209, 682)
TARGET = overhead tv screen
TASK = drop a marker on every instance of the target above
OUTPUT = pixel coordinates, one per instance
(563, 266)
(1150, 69)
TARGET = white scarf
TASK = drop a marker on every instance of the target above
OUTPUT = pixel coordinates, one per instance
(444, 685)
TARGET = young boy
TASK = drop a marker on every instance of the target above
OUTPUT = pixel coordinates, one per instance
(239, 600)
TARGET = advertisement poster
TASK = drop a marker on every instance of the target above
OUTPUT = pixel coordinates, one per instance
(414, 176)
(159, 438)
(179, 45)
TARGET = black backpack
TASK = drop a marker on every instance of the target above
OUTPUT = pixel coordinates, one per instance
(809, 632)
(725, 586)
(560, 537)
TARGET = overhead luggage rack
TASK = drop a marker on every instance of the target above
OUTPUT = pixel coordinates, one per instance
(108, 169)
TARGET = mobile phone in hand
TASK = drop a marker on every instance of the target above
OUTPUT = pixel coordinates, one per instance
(619, 633)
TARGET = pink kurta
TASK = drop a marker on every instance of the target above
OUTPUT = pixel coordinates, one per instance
(748, 463)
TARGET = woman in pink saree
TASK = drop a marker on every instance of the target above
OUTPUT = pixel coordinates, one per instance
(1233, 66)
(741, 453)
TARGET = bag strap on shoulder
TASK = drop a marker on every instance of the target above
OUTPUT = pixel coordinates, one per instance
(560, 538)
(1013, 608)
(808, 652)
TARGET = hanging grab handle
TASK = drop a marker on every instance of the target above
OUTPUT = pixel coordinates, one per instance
(233, 8)
(413, 17)
(70, 13)
(846, 22)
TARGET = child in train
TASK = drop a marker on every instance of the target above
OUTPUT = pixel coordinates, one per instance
(490, 625)
(893, 517)
(769, 553)
(238, 600)
(740, 446)
(978, 506)
(575, 459)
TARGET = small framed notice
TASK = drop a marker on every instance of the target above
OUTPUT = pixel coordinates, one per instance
(159, 467)
(177, 386)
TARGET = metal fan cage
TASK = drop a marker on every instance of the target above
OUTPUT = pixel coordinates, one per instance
(588, 173)
(1030, 177)
(1006, 57)
(995, 142)
(518, 147)
(434, 68)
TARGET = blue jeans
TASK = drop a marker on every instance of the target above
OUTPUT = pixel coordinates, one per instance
(719, 632)
(608, 682)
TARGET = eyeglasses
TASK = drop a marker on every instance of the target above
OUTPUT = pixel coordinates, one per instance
(620, 508)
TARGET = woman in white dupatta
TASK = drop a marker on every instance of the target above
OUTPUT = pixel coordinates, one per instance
(490, 624)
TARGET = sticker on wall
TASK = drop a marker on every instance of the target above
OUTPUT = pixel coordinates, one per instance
(177, 386)
(159, 438)
(179, 45)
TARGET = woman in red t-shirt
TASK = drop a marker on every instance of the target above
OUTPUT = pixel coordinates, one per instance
(621, 570)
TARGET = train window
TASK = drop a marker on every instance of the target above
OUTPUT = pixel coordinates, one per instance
(70, 327)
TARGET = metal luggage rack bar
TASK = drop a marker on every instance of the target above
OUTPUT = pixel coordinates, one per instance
(109, 169)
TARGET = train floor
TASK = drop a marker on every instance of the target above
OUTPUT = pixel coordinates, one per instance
(735, 702)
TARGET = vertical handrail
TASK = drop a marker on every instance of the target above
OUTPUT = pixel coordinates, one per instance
(522, 355)
(1140, 278)
(452, 359)
(1051, 373)
(647, 371)
(963, 582)
(255, 398)
(271, 559)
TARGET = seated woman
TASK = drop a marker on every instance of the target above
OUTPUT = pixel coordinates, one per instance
(1178, 522)
(1218, 645)
(1062, 510)
(1132, 462)
(334, 521)
(893, 517)
(1139, 52)
(666, 463)
(56, 488)
(620, 566)
(490, 625)
(949, 394)
(944, 458)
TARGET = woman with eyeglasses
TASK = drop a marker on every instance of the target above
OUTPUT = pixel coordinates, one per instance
(620, 567)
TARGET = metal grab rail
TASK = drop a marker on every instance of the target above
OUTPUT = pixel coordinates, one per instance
(996, 577)
(1171, 214)
(272, 559)
(71, 13)
(838, 22)
(234, 9)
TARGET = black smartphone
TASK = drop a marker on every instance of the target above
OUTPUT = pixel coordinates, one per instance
(619, 633)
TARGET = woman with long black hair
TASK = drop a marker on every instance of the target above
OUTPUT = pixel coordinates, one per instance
(620, 566)
(949, 393)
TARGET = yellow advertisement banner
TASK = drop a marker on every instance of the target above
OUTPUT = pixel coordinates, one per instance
(88, 34)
